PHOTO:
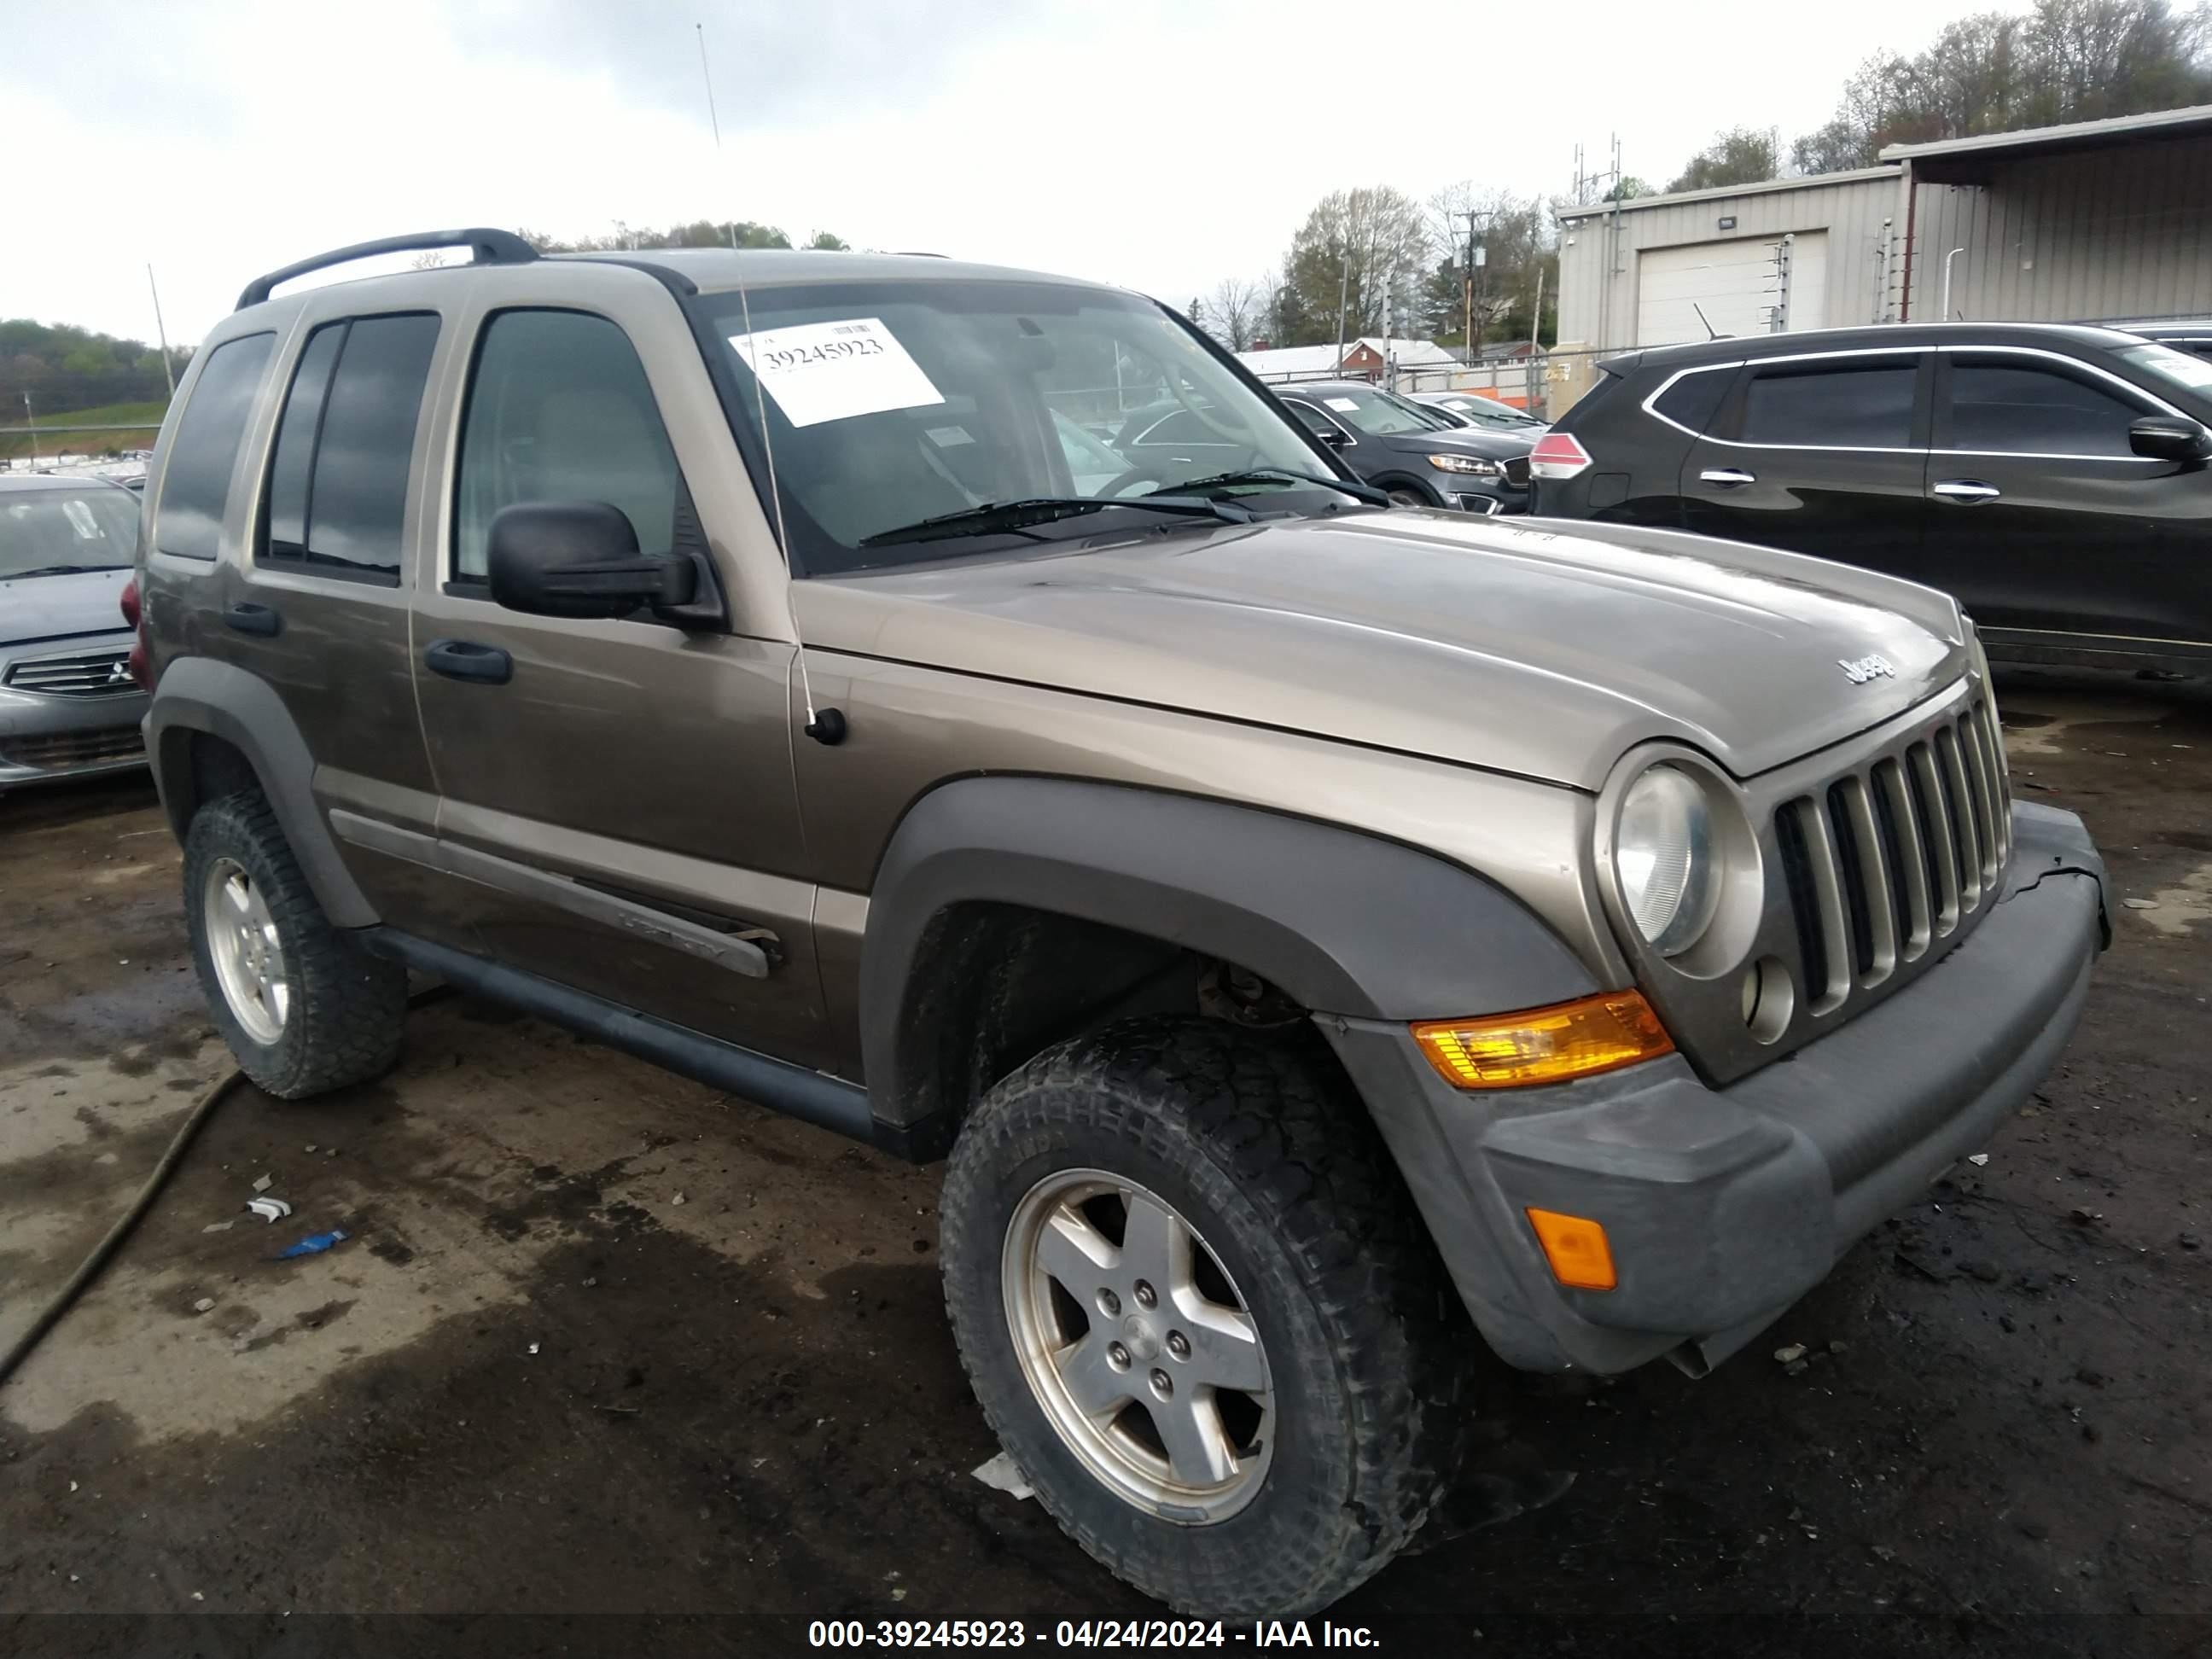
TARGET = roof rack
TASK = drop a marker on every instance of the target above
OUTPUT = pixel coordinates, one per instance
(491, 247)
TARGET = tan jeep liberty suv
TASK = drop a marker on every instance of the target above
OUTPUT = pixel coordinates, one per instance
(1281, 911)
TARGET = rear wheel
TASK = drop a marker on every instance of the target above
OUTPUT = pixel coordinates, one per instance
(304, 1008)
(1189, 1294)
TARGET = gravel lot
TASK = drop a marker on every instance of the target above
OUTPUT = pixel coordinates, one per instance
(603, 1340)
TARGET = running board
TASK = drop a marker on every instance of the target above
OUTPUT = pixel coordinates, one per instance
(814, 1097)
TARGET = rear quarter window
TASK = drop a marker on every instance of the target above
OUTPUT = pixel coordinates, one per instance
(1693, 401)
(196, 482)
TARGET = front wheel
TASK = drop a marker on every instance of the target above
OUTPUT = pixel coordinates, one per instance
(1401, 496)
(1189, 1294)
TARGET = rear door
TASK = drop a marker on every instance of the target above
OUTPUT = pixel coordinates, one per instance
(1825, 454)
(2044, 519)
(319, 609)
(617, 795)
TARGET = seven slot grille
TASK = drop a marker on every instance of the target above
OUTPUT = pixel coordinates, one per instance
(104, 674)
(1892, 859)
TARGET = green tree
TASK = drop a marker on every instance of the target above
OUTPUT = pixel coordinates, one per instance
(1352, 245)
(700, 233)
(1742, 156)
(64, 368)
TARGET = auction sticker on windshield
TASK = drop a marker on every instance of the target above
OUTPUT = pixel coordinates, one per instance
(820, 372)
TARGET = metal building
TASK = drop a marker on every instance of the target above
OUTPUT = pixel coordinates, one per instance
(2099, 219)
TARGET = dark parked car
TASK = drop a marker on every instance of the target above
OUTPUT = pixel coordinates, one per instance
(2053, 478)
(1415, 454)
(2193, 337)
(69, 704)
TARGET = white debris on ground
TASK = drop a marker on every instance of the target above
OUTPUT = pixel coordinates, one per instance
(1002, 1473)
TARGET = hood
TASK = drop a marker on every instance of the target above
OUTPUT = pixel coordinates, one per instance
(1458, 440)
(1542, 648)
(56, 607)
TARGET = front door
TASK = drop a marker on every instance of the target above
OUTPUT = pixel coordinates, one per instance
(644, 768)
(2043, 519)
(1823, 454)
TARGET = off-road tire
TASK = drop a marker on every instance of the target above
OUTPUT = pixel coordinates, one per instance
(1259, 1142)
(347, 1008)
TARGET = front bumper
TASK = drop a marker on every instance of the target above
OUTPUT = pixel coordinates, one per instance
(45, 740)
(1472, 495)
(1725, 1206)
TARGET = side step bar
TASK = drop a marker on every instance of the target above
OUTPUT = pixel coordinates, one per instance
(814, 1097)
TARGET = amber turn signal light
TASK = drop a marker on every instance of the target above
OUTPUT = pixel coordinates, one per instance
(1544, 1045)
(1576, 1249)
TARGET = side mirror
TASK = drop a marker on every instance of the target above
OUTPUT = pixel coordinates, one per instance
(1335, 438)
(2169, 438)
(580, 559)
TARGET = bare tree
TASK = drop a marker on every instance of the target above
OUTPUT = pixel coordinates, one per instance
(1233, 315)
(1517, 238)
(2067, 60)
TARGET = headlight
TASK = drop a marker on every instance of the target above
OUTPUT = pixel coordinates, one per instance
(1664, 852)
(1474, 464)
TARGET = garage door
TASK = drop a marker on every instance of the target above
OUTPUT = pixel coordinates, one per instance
(1734, 283)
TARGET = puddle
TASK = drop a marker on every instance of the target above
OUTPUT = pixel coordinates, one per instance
(2180, 908)
(2039, 723)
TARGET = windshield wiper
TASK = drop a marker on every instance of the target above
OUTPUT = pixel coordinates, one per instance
(58, 570)
(1044, 509)
(1277, 475)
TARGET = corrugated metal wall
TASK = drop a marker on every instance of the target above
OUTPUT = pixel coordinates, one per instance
(2125, 231)
(1598, 313)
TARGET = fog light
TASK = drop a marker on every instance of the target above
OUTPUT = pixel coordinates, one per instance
(1544, 1045)
(1576, 1249)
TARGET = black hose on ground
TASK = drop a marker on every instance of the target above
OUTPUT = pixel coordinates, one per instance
(50, 1315)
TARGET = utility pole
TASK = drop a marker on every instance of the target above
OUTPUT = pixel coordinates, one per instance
(1533, 382)
(32, 420)
(1343, 298)
(168, 370)
(1466, 290)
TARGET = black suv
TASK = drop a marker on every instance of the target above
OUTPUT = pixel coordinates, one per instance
(2053, 478)
(1421, 458)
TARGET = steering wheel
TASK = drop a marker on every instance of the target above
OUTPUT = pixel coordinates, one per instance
(1187, 394)
(1135, 475)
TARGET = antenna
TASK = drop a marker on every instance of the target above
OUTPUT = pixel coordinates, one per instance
(1712, 333)
(826, 727)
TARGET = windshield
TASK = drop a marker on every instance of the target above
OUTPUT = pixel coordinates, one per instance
(61, 530)
(893, 404)
(2191, 373)
(1378, 413)
(1488, 410)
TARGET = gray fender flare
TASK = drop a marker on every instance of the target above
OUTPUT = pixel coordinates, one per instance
(1344, 922)
(199, 694)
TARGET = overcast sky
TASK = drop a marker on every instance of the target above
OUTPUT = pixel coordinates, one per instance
(1159, 143)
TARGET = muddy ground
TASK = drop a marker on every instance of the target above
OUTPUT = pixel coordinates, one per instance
(604, 1341)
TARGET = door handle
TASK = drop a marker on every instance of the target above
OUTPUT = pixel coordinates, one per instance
(1728, 477)
(1965, 491)
(465, 659)
(254, 619)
